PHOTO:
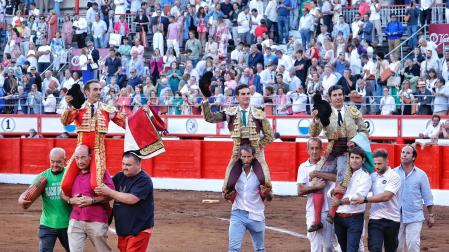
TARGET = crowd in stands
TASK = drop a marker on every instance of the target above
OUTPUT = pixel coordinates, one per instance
(285, 50)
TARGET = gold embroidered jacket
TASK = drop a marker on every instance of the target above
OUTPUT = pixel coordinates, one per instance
(258, 130)
(352, 124)
(99, 122)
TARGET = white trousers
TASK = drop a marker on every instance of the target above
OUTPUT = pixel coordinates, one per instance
(410, 235)
(321, 240)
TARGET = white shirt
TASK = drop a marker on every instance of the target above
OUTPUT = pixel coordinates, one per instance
(68, 83)
(306, 22)
(236, 55)
(248, 197)
(243, 22)
(355, 27)
(426, 4)
(266, 76)
(90, 15)
(99, 29)
(270, 11)
(304, 171)
(258, 5)
(389, 181)
(49, 104)
(388, 105)
(299, 102)
(81, 24)
(34, 12)
(286, 61)
(255, 19)
(256, 100)
(44, 58)
(432, 131)
(359, 186)
(329, 81)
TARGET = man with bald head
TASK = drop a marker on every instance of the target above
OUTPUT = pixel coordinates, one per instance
(55, 211)
(90, 214)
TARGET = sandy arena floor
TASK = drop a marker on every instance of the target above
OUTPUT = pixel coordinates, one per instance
(183, 223)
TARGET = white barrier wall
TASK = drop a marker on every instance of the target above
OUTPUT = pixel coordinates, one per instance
(391, 127)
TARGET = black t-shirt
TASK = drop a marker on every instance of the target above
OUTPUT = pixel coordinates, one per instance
(133, 219)
(226, 9)
(302, 74)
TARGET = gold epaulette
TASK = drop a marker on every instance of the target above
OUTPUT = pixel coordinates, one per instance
(354, 111)
(258, 113)
(108, 108)
(231, 110)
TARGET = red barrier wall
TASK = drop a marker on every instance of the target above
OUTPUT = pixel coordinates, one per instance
(203, 159)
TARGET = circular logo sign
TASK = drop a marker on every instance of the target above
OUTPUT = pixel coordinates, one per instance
(191, 125)
(75, 61)
(8, 124)
(303, 126)
(369, 125)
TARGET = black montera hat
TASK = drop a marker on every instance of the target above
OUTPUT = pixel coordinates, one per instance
(78, 96)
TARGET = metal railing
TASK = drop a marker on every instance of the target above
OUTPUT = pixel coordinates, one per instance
(405, 42)
(438, 13)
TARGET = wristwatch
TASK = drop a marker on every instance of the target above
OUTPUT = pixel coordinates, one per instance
(365, 200)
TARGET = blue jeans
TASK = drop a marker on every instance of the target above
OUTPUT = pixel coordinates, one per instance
(305, 37)
(379, 94)
(349, 231)
(98, 43)
(385, 232)
(48, 236)
(414, 40)
(283, 28)
(240, 222)
(57, 8)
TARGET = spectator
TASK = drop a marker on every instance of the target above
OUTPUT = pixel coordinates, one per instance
(138, 99)
(283, 10)
(34, 100)
(57, 51)
(121, 27)
(415, 188)
(87, 65)
(44, 60)
(80, 26)
(244, 27)
(113, 65)
(306, 23)
(134, 79)
(412, 24)
(441, 100)
(99, 30)
(432, 129)
(342, 27)
(19, 100)
(255, 57)
(194, 45)
(367, 30)
(445, 129)
(394, 32)
(141, 21)
(123, 102)
(298, 102)
(387, 103)
(135, 62)
(67, 31)
(49, 102)
(423, 99)
(406, 96)
(429, 63)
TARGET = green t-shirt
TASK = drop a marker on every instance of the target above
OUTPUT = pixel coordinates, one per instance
(55, 212)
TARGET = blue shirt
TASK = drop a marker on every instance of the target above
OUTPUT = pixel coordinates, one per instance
(283, 11)
(394, 30)
(415, 188)
(112, 65)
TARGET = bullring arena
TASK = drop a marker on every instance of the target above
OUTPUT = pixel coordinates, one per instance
(189, 172)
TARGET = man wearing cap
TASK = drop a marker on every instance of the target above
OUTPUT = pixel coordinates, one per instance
(133, 204)
(247, 126)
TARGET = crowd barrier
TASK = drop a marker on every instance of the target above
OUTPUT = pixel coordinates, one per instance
(196, 159)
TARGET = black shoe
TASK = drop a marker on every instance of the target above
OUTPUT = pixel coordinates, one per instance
(315, 227)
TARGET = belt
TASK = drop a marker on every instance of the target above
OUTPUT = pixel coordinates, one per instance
(347, 215)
